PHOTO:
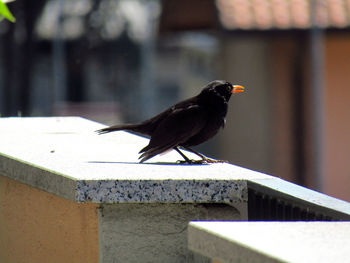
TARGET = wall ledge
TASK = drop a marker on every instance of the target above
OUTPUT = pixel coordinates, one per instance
(64, 156)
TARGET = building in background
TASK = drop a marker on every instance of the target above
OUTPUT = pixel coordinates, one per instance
(121, 61)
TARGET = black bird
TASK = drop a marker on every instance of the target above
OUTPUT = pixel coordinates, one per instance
(187, 123)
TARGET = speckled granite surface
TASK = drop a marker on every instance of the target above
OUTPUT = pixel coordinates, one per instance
(163, 191)
(65, 157)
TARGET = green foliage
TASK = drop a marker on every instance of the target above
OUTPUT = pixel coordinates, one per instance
(5, 12)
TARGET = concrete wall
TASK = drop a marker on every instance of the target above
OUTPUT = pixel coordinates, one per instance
(37, 226)
(96, 203)
(40, 227)
(154, 232)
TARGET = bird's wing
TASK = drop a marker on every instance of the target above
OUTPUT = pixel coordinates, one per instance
(180, 125)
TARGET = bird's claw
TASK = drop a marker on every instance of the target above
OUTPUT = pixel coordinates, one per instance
(208, 160)
(203, 161)
(190, 162)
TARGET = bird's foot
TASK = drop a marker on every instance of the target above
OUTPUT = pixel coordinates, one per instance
(191, 162)
(203, 161)
(209, 160)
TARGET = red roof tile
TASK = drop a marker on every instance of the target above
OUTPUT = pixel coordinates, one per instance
(337, 13)
(281, 13)
(267, 14)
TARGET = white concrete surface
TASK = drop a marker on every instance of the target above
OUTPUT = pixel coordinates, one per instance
(69, 145)
(271, 241)
(66, 157)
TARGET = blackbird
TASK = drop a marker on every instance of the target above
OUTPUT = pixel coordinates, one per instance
(185, 124)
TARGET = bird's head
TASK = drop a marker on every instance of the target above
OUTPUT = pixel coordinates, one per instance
(223, 88)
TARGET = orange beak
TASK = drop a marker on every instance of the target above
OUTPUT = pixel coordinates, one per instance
(237, 89)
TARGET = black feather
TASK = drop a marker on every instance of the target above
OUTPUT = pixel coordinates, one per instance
(187, 123)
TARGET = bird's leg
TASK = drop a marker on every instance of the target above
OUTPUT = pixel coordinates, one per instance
(183, 156)
(187, 160)
(204, 158)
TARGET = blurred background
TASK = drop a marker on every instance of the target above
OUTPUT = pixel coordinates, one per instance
(120, 61)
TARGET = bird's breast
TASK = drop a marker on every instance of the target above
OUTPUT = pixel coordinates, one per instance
(213, 124)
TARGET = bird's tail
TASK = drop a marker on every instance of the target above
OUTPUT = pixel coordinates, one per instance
(127, 127)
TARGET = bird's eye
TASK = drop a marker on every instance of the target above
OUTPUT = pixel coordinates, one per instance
(228, 85)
